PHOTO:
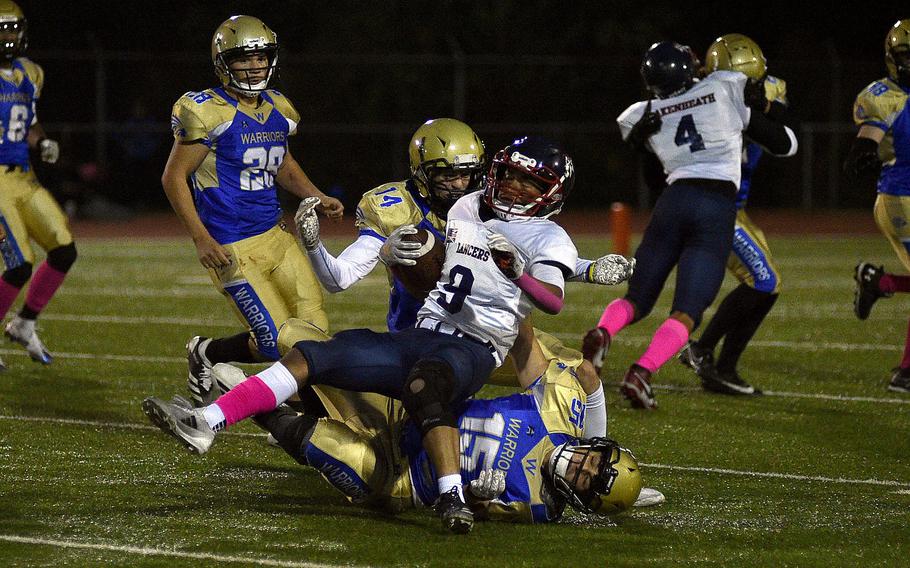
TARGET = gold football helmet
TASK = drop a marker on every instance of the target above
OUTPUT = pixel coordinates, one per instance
(445, 145)
(736, 52)
(611, 486)
(897, 52)
(238, 36)
(13, 30)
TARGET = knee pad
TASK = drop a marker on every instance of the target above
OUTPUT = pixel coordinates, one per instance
(18, 276)
(62, 258)
(427, 394)
(294, 330)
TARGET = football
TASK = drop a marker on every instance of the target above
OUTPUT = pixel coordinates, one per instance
(419, 279)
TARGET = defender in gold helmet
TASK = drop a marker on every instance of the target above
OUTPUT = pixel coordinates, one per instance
(447, 161)
(245, 37)
(897, 53)
(595, 476)
(736, 52)
(13, 30)
(879, 155)
(29, 212)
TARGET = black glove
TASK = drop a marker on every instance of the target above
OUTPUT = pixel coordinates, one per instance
(862, 161)
(754, 95)
(647, 125)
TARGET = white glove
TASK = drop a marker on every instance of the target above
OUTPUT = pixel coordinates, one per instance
(489, 484)
(396, 250)
(307, 223)
(610, 270)
(507, 258)
(50, 150)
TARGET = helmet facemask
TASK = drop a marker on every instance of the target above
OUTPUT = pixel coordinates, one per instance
(548, 182)
(898, 58)
(240, 79)
(442, 194)
(569, 469)
(13, 40)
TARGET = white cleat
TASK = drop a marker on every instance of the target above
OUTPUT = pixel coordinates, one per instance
(187, 425)
(225, 377)
(22, 331)
(649, 497)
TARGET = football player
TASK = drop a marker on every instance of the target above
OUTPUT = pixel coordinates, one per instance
(882, 149)
(742, 311)
(27, 210)
(503, 256)
(695, 128)
(231, 142)
(522, 458)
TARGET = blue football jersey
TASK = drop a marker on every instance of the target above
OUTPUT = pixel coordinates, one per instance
(19, 90)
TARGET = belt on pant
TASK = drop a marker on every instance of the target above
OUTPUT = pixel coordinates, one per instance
(449, 329)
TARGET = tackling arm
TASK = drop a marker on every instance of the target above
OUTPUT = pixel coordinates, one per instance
(355, 262)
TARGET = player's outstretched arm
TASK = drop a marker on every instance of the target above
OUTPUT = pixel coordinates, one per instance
(183, 161)
(292, 178)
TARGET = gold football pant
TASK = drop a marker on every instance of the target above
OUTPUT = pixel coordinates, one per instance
(28, 211)
(751, 260)
(892, 215)
(269, 283)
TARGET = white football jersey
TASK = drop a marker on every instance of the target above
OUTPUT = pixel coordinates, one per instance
(472, 294)
(701, 130)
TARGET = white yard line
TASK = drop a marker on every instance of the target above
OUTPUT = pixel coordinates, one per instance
(144, 551)
(775, 475)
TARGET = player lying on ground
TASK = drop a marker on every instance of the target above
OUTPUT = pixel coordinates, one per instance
(502, 256)
(522, 457)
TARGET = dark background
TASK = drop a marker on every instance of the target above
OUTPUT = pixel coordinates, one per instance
(365, 75)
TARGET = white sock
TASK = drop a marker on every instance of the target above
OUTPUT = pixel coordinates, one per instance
(280, 381)
(447, 482)
(214, 417)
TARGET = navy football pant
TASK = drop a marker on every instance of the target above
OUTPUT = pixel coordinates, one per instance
(691, 228)
(365, 361)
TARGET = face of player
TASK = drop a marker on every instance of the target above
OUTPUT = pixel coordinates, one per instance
(251, 69)
(588, 473)
(448, 183)
(9, 38)
(519, 187)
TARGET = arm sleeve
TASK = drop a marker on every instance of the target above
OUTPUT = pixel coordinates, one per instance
(596, 414)
(581, 270)
(777, 139)
(355, 262)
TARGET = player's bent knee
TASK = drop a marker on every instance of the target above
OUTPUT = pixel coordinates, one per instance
(427, 393)
(19, 275)
(62, 258)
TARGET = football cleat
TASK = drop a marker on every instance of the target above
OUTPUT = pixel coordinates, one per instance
(594, 347)
(727, 383)
(225, 377)
(199, 379)
(187, 425)
(636, 387)
(900, 380)
(455, 514)
(867, 292)
(697, 358)
(649, 497)
(2, 366)
(22, 331)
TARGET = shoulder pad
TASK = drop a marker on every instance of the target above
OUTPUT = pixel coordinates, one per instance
(200, 116)
(879, 104)
(286, 108)
(562, 400)
(387, 207)
(34, 72)
(776, 89)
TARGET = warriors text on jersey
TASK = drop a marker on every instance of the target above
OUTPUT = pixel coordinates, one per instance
(472, 294)
(513, 434)
(20, 88)
(883, 104)
(701, 131)
(234, 187)
(381, 211)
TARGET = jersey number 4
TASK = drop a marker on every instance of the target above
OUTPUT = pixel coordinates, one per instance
(686, 133)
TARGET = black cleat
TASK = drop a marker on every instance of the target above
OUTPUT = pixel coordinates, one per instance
(199, 377)
(727, 383)
(455, 514)
(697, 358)
(900, 380)
(867, 291)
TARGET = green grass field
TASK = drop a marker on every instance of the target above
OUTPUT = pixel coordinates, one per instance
(814, 473)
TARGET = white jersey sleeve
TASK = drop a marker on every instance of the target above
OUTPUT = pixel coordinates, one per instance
(629, 117)
(355, 262)
(701, 129)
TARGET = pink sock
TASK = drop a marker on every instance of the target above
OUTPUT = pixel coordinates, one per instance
(8, 294)
(668, 340)
(249, 398)
(44, 283)
(905, 362)
(891, 283)
(617, 316)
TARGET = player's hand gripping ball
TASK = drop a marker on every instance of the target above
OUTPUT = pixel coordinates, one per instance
(427, 254)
